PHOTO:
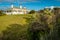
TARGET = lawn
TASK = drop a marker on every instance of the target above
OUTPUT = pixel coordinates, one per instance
(7, 20)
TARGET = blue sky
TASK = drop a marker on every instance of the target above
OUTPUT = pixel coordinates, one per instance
(29, 4)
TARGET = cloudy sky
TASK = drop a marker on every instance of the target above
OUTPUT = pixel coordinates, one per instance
(30, 4)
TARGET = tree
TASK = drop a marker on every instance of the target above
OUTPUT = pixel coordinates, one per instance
(32, 12)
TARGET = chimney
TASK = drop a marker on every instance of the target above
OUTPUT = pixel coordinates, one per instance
(24, 7)
(11, 6)
(20, 7)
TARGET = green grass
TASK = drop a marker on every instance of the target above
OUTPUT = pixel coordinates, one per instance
(7, 20)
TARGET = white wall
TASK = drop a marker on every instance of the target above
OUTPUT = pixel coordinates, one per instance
(14, 13)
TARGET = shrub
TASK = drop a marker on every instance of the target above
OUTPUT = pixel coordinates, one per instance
(1, 13)
(32, 12)
(15, 32)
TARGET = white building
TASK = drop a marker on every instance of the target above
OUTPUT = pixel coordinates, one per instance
(14, 10)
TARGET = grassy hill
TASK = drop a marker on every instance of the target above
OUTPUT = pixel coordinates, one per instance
(12, 19)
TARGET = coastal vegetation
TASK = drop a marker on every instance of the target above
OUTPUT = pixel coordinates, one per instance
(42, 25)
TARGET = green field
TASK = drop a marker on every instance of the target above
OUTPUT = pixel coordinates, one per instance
(7, 20)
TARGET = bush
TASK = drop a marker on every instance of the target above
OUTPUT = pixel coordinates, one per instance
(1, 13)
(15, 32)
(32, 12)
(35, 29)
